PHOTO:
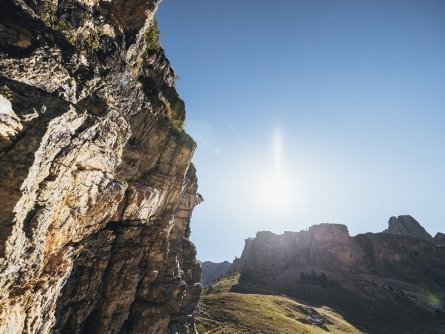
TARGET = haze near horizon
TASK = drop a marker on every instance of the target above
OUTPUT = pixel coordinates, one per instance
(310, 111)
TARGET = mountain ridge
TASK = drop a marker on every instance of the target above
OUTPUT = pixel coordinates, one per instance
(380, 282)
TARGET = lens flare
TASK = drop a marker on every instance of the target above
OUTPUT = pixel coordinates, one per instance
(274, 184)
(277, 152)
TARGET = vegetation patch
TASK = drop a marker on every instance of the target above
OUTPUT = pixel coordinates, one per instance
(83, 38)
(222, 311)
(152, 37)
(177, 124)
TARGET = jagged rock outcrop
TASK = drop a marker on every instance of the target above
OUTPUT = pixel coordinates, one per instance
(211, 271)
(380, 283)
(407, 225)
(439, 239)
(96, 182)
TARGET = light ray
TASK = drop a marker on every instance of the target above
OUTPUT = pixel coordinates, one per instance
(237, 135)
(276, 185)
(277, 152)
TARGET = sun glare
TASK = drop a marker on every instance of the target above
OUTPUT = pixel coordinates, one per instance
(276, 193)
(276, 188)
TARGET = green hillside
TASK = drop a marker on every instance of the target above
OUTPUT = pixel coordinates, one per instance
(222, 311)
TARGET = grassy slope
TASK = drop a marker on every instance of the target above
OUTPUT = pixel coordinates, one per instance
(222, 311)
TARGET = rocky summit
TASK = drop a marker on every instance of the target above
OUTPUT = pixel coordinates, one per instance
(407, 225)
(96, 182)
(379, 282)
(439, 239)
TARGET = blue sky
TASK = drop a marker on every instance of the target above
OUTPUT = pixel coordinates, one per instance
(334, 108)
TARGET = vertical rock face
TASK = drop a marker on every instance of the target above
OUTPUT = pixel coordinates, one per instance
(96, 182)
(325, 245)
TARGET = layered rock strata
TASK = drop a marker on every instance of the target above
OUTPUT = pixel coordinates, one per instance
(380, 283)
(96, 182)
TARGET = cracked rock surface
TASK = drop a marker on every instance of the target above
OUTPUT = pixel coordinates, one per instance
(97, 187)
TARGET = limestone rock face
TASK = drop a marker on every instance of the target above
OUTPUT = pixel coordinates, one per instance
(96, 182)
(408, 226)
(380, 283)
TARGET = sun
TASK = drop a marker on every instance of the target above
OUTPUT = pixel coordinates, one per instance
(276, 192)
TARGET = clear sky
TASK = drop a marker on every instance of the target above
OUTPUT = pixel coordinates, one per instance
(310, 111)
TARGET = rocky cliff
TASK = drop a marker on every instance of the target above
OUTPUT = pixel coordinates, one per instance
(96, 182)
(380, 283)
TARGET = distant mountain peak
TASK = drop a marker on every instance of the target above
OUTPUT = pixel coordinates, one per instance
(439, 239)
(212, 271)
(408, 226)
